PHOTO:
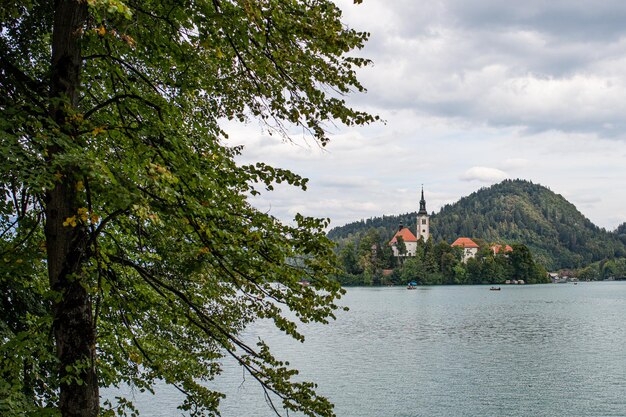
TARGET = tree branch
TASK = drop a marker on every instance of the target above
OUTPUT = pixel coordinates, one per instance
(117, 99)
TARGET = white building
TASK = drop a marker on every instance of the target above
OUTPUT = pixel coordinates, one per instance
(410, 242)
(470, 248)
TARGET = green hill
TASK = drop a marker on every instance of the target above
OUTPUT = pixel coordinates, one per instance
(513, 211)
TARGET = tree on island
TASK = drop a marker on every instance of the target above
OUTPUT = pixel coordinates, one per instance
(401, 248)
(129, 250)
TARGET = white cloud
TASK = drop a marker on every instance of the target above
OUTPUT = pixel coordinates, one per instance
(484, 174)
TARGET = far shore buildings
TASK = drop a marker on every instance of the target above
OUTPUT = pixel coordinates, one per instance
(496, 249)
(469, 247)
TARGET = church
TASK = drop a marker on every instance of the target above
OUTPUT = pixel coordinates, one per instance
(410, 240)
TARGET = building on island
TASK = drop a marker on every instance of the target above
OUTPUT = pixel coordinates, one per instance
(422, 231)
(470, 248)
(496, 249)
(410, 242)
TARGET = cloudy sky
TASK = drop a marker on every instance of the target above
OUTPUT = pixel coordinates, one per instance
(472, 92)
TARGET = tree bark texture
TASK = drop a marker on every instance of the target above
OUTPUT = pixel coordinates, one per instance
(74, 329)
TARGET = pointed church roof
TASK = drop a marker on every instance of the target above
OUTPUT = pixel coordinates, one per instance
(465, 242)
(422, 205)
(406, 234)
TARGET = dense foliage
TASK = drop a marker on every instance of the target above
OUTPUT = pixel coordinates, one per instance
(128, 250)
(518, 211)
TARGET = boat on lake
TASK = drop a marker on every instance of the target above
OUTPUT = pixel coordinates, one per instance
(494, 289)
(411, 285)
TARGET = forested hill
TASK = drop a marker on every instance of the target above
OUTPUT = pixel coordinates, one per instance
(513, 211)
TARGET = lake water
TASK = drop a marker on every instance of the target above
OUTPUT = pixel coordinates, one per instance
(544, 350)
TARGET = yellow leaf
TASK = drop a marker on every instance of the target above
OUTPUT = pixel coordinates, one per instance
(129, 40)
(98, 130)
(135, 357)
(83, 212)
(70, 221)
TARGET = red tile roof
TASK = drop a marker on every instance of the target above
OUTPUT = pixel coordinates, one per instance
(465, 242)
(497, 248)
(406, 234)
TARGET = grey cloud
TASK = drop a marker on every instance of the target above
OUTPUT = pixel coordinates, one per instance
(470, 60)
(580, 20)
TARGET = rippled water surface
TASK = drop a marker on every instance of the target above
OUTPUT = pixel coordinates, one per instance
(548, 350)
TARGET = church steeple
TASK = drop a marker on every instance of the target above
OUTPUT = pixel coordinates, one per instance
(423, 221)
(422, 205)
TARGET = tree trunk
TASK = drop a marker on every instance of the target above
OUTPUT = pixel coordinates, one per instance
(73, 319)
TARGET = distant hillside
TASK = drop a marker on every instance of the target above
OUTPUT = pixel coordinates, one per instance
(513, 211)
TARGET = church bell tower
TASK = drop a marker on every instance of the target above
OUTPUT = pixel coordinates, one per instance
(423, 221)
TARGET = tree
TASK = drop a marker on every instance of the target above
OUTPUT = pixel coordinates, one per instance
(491, 271)
(412, 270)
(448, 262)
(349, 259)
(387, 258)
(589, 273)
(431, 264)
(473, 269)
(524, 267)
(126, 230)
(401, 247)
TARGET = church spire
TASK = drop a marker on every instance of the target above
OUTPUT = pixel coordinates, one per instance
(423, 220)
(422, 204)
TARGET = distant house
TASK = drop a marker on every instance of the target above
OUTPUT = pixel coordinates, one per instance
(554, 277)
(496, 249)
(470, 248)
